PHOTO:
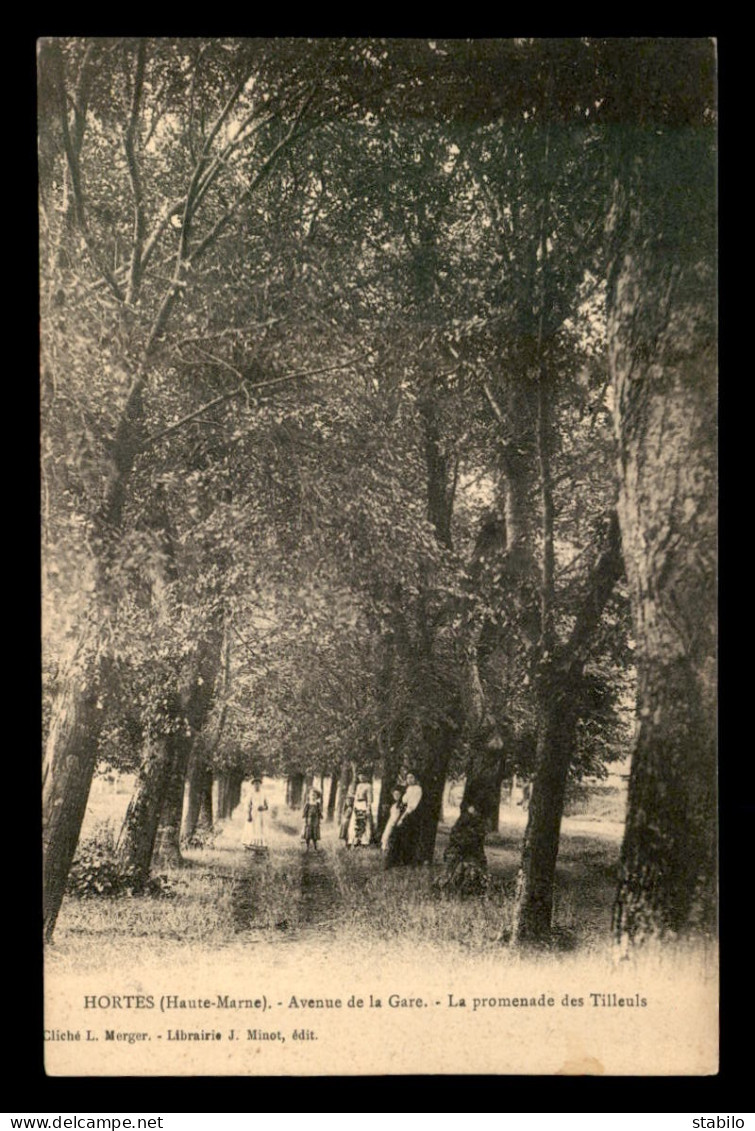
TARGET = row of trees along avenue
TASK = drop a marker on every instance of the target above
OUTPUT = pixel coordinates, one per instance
(378, 389)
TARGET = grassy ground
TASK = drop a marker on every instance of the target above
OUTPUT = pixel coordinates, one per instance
(225, 898)
(333, 924)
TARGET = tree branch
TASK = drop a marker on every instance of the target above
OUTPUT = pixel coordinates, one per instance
(492, 401)
(171, 209)
(182, 257)
(129, 145)
(211, 174)
(245, 387)
(157, 114)
(72, 159)
(262, 172)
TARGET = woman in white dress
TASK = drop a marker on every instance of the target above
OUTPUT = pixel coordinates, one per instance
(401, 844)
(395, 812)
(253, 834)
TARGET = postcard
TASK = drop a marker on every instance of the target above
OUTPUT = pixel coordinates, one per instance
(378, 468)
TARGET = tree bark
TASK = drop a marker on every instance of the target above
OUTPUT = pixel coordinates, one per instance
(70, 752)
(441, 481)
(495, 818)
(486, 769)
(196, 701)
(222, 787)
(77, 716)
(137, 837)
(198, 797)
(294, 790)
(205, 815)
(662, 355)
(70, 758)
(167, 851)
(234, 799)
(486, 764)
(503, 548)
(330, 811)
(346, 780)
(431, 770)
(191, 796)
(559, 694)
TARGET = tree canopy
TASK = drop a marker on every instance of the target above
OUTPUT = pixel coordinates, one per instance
(330, 398)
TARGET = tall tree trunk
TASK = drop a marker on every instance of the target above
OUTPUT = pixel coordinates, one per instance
(486, 769)
(386, 741)
(70, 758)
(495, 817)
(205, 815)
(222, 788)
(560, 696)
(346, 780)
(294, 790)
(167, 851)
(429, 764)
(234, 798)
(137, 837)
(502, 549)
(198, 797)
(74, 729)
(537, 873)
(162, 749)
(160, 784)
(197, 698)
(662, 355)
(441, 479)
(191, 795)
(330, 810)
(431, 770)
(77, 715)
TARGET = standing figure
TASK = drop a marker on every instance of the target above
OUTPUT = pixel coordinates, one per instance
(400, 848)
(253, 835)
(396, 810)
(348, 806)
(360, 826)
(466, 868)
(312, 815)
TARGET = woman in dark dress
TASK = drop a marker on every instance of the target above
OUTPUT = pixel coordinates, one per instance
(402, 843)
(466, 868)
(312, 816)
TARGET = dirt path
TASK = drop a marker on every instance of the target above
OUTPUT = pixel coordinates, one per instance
(307, 877)
(318, 889)
(297, 892)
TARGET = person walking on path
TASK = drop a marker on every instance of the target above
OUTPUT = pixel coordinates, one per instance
(253, 836)
(312, 816)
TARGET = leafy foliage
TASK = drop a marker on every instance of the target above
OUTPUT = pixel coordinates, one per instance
(95, 873)
(333, 269)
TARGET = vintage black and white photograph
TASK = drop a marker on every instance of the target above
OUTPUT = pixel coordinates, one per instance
(379, 552)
